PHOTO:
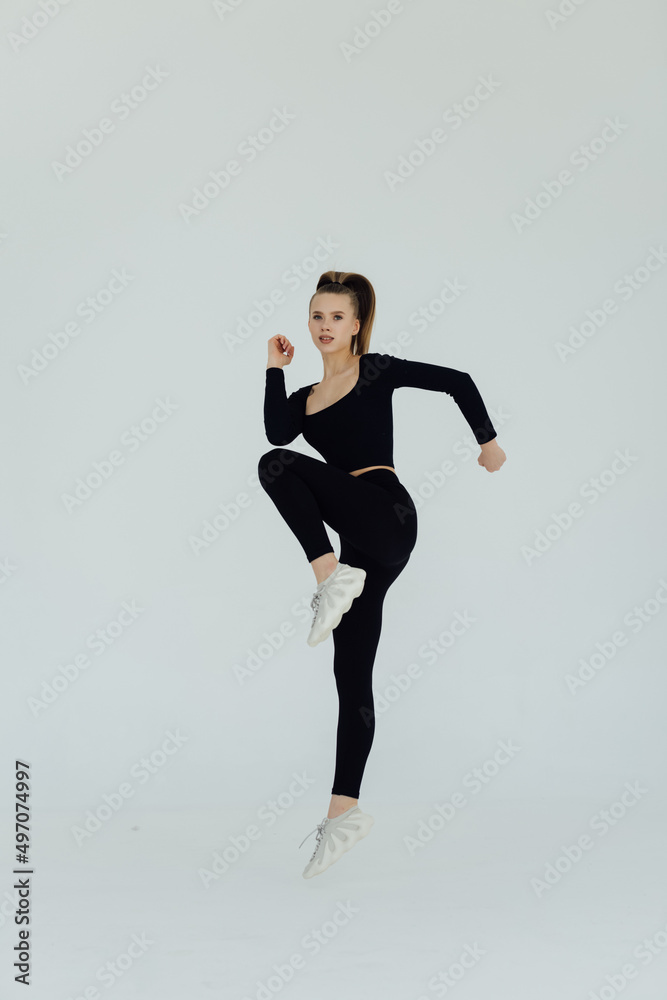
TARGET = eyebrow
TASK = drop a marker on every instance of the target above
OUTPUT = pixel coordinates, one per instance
(331, 310)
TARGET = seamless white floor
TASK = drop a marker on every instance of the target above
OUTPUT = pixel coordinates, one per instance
(470, 911)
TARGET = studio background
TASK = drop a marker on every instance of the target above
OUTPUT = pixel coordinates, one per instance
(549, 291)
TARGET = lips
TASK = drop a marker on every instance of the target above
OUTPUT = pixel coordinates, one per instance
(327, 339)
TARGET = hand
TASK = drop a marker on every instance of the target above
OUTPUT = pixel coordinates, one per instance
(492, 456)
(281, 352)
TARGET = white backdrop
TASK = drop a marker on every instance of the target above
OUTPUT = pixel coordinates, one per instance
(176, 177)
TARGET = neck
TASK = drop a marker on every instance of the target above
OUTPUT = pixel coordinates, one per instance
(340, 362)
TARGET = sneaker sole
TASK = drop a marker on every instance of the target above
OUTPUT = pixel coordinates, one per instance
(336, 623)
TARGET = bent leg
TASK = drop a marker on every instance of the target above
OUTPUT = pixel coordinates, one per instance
(295, 500)
(308, 492)
(356, 640)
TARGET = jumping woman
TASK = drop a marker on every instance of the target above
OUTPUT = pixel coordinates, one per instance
(347, 417)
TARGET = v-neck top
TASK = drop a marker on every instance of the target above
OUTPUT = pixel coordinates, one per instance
(358, 429)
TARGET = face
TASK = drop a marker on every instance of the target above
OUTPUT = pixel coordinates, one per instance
(333, 316)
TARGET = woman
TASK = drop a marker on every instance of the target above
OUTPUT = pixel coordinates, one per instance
(347, 417)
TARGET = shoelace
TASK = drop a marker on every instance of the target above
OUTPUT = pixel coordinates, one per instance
(317, 596)
(320, 834)
(321, 827)
(315, 605)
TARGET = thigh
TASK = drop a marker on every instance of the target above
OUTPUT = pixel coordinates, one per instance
(361, 512)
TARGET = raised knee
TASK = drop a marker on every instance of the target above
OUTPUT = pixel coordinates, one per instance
(273, 462)
(270, 456)
(267, 456)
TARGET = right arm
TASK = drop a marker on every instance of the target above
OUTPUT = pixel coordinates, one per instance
(283, 416)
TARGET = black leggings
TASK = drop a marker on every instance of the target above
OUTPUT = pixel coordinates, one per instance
(376, 519)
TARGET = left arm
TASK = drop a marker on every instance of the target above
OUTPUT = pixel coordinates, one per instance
(460, 386)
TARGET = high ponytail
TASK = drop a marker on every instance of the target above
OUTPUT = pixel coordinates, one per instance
(362, 296)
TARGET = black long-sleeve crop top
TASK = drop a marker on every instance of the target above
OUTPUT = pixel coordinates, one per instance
(357, 430)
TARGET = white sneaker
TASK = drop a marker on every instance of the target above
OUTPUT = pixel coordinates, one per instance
(335, 837)
(333, 598)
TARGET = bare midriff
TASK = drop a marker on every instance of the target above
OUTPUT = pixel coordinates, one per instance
(369, 467)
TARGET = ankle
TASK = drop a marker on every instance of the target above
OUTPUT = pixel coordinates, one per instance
(340, 804)
(325, 569)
